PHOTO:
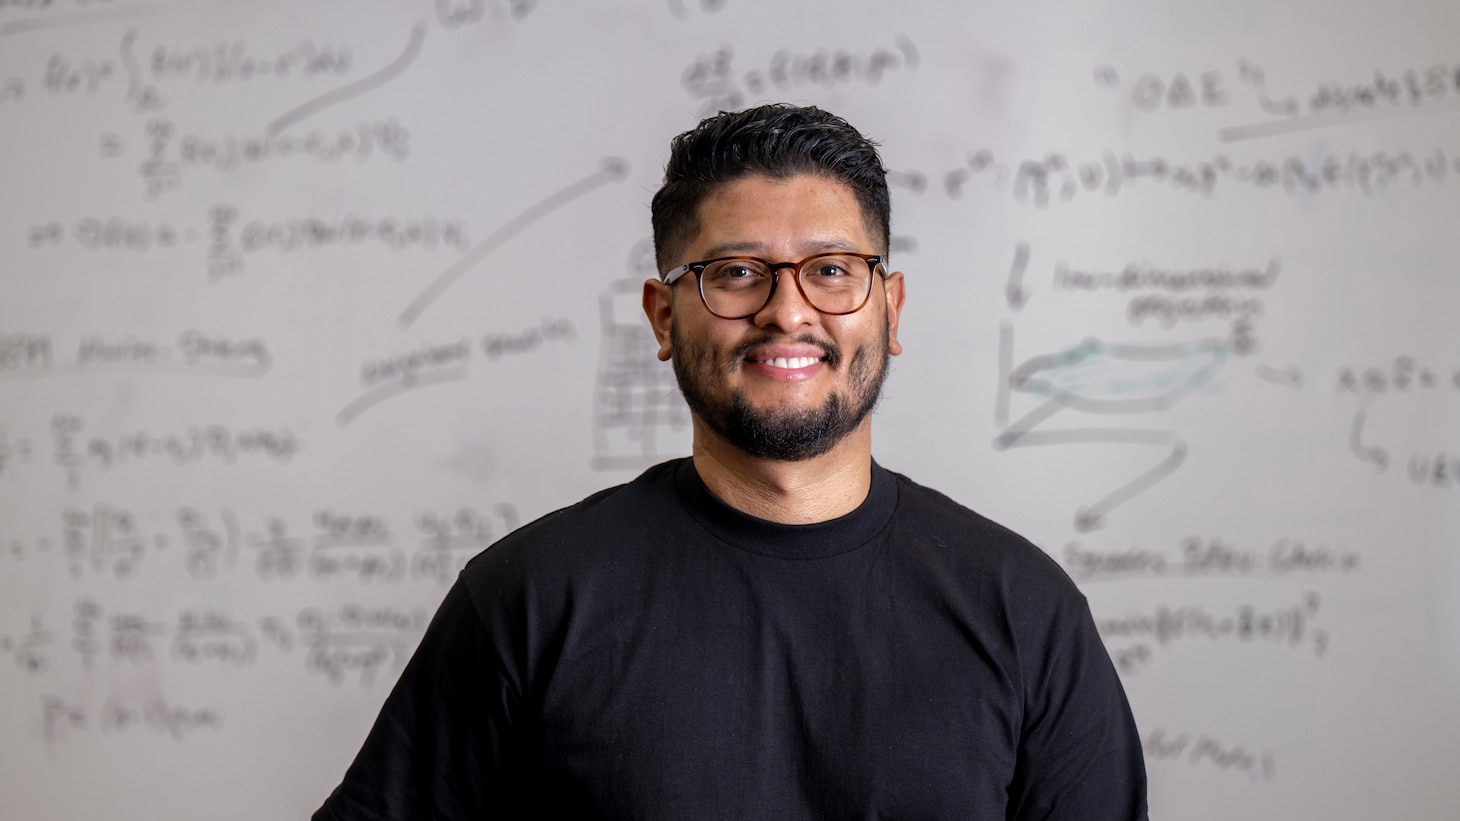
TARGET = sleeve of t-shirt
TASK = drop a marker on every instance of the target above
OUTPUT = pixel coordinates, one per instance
(441, 747)
(1080, 756)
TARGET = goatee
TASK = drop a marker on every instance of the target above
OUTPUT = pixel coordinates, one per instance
(784, 435)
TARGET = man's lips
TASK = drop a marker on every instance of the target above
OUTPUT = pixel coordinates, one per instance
(789, 363)
(786, 357)
(790, 355)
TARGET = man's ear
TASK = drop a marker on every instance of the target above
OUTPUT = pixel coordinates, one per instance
(894, 289)
(659, 307)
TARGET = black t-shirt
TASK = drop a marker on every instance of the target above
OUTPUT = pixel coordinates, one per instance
(653, 653)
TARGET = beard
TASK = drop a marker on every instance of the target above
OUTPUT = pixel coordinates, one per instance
(783, 434)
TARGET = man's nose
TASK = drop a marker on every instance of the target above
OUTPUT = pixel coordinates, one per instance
(787, 309)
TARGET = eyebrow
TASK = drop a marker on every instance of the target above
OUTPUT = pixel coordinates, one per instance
(754, 248)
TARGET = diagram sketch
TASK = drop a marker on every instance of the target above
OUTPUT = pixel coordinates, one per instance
(1111, 380)
(637, 407)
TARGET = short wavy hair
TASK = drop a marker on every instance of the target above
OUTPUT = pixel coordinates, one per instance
(779, 141)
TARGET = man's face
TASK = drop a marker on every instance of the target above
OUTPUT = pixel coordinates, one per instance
(788, 382)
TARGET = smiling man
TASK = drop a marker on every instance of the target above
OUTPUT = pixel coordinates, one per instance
(780, 378)
(776, 627)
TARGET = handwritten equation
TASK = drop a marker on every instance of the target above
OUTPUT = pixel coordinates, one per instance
(1136, 637)
(1057, 178)
(30, 355)
(1326, 104)
(1404, 377)
(76, 452)
(1170, 295)
(170, 154)
(714, 80)
(230, 240)
(430, 363)
(352, 640)
(1405, 374)
(112, 542)
(349, 643)
(1211, 557)
(141, 72)
(1203, 750)
(63, 720)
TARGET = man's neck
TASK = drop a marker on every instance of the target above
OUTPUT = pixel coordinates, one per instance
(793, 493)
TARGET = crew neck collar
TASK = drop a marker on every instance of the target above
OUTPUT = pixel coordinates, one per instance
(811, 541)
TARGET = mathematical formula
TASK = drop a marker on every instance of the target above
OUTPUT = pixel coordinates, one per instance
(1136, 638)
(113, 542)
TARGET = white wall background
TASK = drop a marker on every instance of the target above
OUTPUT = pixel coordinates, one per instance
(303, 304)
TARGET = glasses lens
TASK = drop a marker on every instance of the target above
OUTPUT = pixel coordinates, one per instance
(736, 287)
(836, 283)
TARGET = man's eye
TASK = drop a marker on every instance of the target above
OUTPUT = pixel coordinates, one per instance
(830, 271)
(737, 272)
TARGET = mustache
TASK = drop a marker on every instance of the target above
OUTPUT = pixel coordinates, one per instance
(829, 349)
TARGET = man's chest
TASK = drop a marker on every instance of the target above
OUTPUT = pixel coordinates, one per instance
(728, 701)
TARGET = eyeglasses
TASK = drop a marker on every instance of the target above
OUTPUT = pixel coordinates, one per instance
(738, 287)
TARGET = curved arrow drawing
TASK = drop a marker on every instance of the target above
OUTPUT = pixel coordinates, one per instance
(1377, 456)
(1104, 378)
(613, 170)
(355, 89)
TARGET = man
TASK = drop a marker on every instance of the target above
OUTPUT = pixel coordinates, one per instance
(777, 627)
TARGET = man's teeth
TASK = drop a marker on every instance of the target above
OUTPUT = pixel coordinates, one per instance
(793, 362)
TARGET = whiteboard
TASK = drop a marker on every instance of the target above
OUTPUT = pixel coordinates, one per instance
(305, 304)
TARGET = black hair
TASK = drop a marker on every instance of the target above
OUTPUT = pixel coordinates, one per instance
(777, 140)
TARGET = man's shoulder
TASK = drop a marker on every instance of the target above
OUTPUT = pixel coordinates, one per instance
(923, 506)
(974, 541)
(622, 513)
